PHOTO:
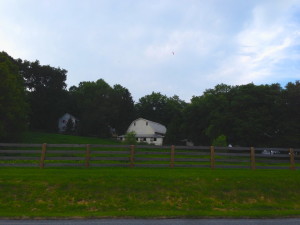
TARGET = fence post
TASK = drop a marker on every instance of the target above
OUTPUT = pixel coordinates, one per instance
(131, 155)
(87, 155)
(292, 159)
(43, 155)
(212, 157)
(172, 156)
(252, 155)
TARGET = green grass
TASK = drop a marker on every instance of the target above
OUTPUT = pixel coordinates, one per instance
(144, 193)
(53, 138)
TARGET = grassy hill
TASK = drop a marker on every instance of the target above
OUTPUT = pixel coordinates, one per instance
(52, 138)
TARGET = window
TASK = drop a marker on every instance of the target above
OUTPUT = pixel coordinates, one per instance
(134, 124)
(147, 123)
(144, 139)
(153, 139)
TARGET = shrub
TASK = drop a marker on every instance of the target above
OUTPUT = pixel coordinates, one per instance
(220, 141)
(130, 138)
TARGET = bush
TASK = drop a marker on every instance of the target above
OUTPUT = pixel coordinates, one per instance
(130, 138)
(220, 141)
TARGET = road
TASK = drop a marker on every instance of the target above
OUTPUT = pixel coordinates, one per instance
(294, 221)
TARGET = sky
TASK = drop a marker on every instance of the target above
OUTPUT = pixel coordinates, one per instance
(174, 47)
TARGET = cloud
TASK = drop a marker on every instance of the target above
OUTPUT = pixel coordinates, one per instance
(192, 42)
(262, 46)
(132, 42)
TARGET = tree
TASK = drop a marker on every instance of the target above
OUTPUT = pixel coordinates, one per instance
(175, 132)
(45, 86)
(70, 126)
(247, 115)
(121, 108)
(130, 138)
(101, 107)
(13, 106)
(93, 107)
(289, 129)
(196, 120)
(165, 110)
(220, 141)
(153, 107)
(255, 111)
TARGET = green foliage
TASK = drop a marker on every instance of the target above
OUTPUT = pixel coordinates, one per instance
(130, 138)
(220, 141)
(70, 126)
(165, 110)
(289, 125)
(248, 115)
(13, 106)
(153, 107)
(100, 107)
(122, 109)
(53, 138)
(45, 86)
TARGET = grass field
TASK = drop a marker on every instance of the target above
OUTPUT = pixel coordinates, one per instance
(52, 138)
(144, 192)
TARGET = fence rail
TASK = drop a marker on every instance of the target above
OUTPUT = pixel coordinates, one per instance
(96, 155)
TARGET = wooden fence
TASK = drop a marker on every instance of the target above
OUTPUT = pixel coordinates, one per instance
(93, 155)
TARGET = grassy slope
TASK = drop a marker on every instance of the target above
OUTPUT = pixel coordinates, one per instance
(50, 138)
(133, 192)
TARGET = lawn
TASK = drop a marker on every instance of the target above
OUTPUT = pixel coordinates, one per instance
(145, 193)
(55, 138)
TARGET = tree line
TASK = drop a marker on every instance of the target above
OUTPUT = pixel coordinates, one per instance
(34, 96)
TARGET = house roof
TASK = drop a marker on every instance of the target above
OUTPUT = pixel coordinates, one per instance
(157, 127)
(68, 115)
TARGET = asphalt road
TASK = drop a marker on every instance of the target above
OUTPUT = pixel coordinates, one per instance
(155, 222)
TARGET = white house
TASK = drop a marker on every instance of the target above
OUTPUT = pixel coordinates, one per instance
(147, 131)
(62, 122)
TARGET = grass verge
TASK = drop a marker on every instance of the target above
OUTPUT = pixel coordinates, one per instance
(144, 193)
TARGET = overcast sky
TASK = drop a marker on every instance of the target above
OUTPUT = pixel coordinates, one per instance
(176, 47)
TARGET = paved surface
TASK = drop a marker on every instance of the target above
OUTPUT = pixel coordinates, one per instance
(155, 222)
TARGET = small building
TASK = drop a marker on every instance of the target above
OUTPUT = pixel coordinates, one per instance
(63, 122)
(147, 131)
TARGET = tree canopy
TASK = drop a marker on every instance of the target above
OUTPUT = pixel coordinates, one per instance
(248, 115)
(242, 115)
(13, 106)
(45, 86)
(101, 108)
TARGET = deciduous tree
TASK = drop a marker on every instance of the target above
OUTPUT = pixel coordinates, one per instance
(13, 106)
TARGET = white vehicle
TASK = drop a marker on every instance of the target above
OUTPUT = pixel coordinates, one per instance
(270, 152)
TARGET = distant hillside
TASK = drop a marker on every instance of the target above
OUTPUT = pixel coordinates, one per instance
(51, 138)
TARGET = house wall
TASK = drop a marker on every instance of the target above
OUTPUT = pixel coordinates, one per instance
(158, 141)
(62, 122)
